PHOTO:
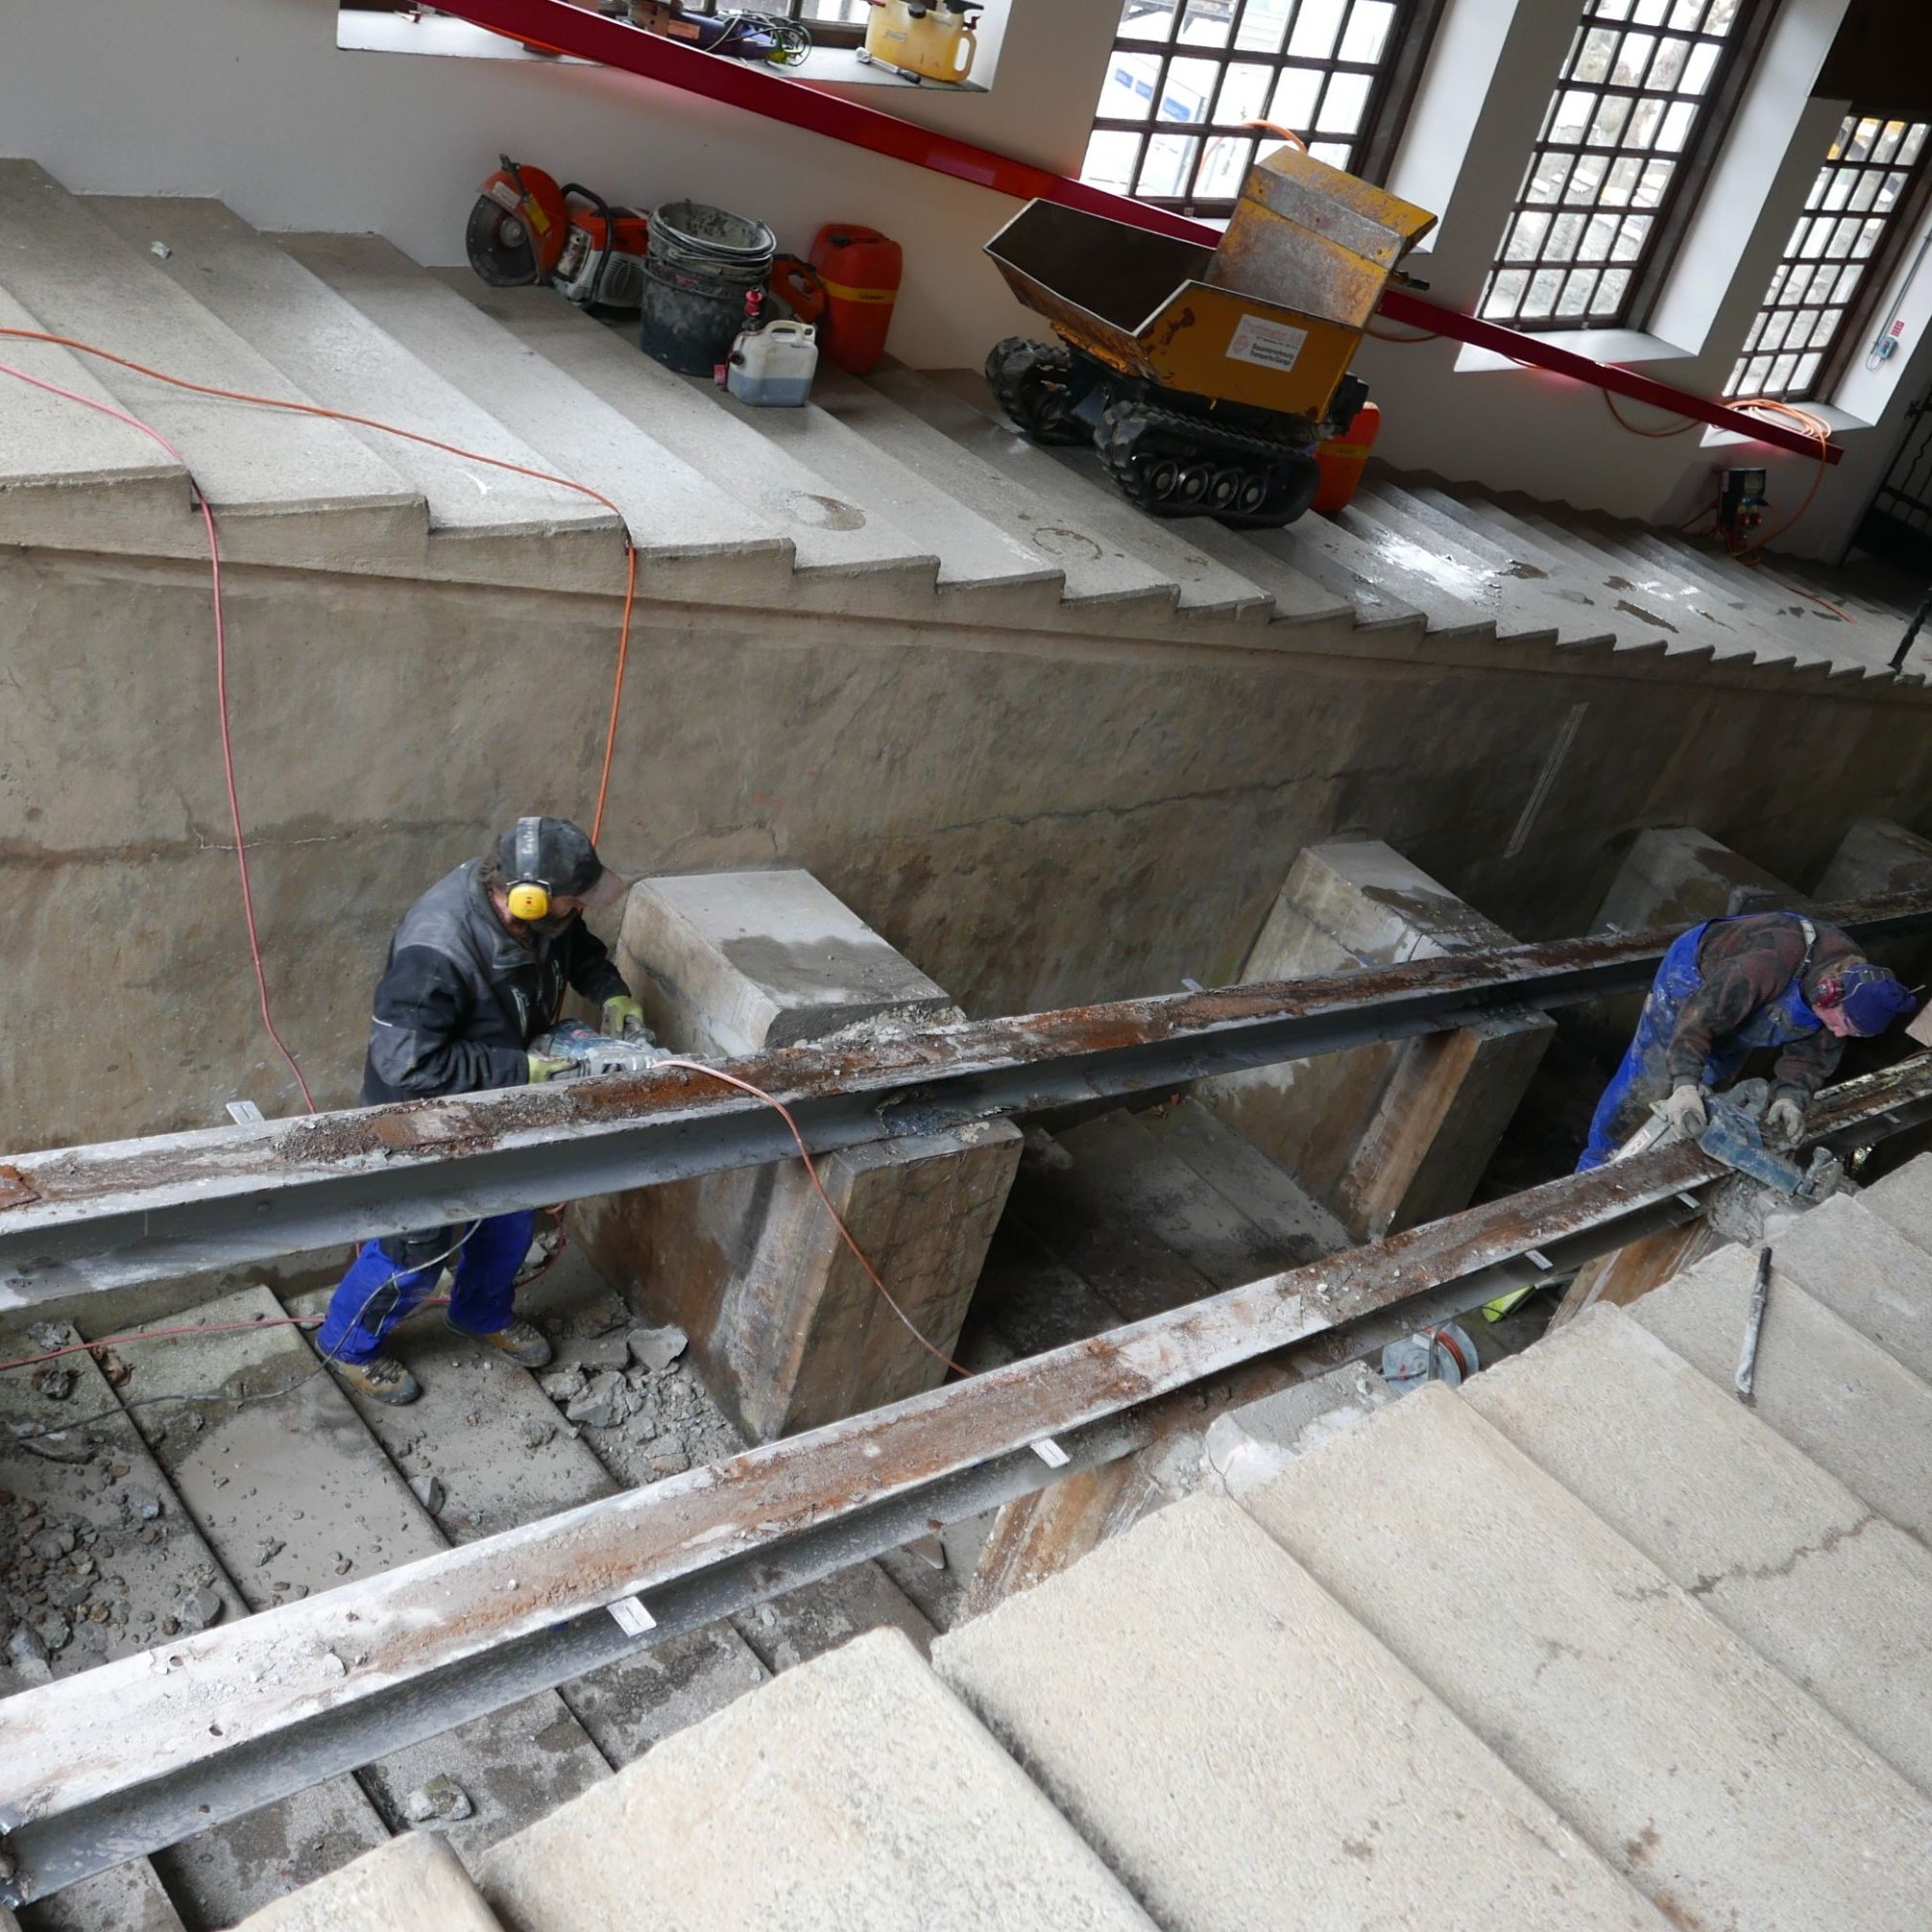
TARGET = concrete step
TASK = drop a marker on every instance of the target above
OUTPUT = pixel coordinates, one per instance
(286, 488)
(1904, 1198)
(415, 1884)
(294, 1494)
(132, 1582)
(1029, 1301)
(1084, 503)
(1742, 598)
(1723, 1793)
(1821, 1384)
(494, 524)
(692, 537)
(1866, 1271)
(1244, 1754)
(854, 1793)
(850, 555)
(1806, 1572)
(73, 477)
(1385, 589)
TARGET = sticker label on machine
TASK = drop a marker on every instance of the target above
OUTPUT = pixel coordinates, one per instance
(1274, 345)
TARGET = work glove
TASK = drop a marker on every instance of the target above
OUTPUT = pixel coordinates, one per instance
(543, 1068)
(1784, 1121)
(1684, 1111)
(623, 1015)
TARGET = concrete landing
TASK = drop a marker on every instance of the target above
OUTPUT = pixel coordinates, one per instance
(854, 1794)
(1244, 1754)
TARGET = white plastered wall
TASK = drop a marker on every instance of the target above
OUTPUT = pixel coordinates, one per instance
(250, 99)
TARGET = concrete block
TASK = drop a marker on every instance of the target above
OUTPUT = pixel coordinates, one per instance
(1854, 1410)
(1384, 1136)
(1722, 1792)
(1878, 856)
(1904, 1198)
(1253, 1445)
(1806, 1572)
(412, 1883)
(1244, 1754)
(729, 963)
(854, 1794)
(786, 1326)
(1866, 1271)
(1676, 875)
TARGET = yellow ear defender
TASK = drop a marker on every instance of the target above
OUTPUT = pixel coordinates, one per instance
(528, 895)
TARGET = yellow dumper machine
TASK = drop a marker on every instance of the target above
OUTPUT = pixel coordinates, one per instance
(1203, 377)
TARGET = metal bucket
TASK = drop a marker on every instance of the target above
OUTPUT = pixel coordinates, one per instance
(701, 261)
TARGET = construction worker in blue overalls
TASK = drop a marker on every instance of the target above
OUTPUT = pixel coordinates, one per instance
(1775, 979)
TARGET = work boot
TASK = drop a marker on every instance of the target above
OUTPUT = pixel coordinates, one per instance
(522, 1344)
(381, 1379)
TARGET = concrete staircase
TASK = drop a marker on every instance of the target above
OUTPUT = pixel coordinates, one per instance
(1590, 1644)
(903, 498)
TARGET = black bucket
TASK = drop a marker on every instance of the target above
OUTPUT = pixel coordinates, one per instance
(701, 263)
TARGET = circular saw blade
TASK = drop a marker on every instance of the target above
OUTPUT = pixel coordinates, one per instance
(499, 245)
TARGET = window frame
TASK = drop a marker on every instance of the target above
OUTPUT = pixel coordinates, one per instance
(1393, 82)
(1901, 223)
(1658, 256)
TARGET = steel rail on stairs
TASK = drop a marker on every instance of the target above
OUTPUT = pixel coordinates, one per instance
(81, 1219)
(561, 27)
(134, 1755)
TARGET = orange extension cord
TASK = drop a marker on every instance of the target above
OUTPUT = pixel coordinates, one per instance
(603, 777)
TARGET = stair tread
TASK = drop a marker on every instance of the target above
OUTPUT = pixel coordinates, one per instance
(854, 1793)
(1866, 1271)
(1383, 586)
(1854, 1410)
(1802, 1569)
(827, 533)
(412, 1883)
(344, 360)
(1072, 482)
(1904, 1198)
(1229, 1739)
(125, 1898)
(67, 267)
(1722, 1791)
(240, 1477)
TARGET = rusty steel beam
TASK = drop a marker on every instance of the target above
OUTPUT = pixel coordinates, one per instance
(93, 1767)
(85, 1218)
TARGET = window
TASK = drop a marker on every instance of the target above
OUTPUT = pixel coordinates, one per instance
(1618, 137)
(1850, 218)
(1188, 77)
(845, 19)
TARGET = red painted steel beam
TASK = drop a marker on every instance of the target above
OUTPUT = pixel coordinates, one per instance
(568, 29)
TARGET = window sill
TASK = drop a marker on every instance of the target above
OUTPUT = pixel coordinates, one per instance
(1841, 421)
(361, 32)
(1622, 346)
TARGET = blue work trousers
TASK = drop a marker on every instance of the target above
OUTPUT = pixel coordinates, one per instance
(390, 1278)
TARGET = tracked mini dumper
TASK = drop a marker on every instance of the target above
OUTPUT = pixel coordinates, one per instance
(1203, 377)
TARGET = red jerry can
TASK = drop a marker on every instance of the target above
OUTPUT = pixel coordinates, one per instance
(1343, 459)
(860, 270)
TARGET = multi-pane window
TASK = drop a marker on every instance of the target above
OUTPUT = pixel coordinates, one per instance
(1849, 216)
(1628, 108)
(1187, 79)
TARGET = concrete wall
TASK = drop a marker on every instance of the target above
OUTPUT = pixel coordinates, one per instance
(1029, 821)
(252, 101)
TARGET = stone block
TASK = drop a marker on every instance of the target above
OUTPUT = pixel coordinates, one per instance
(408, 1885)
(1878, 856)
(853, 1794)
(729, 963)
(1676, 875)
(785, 1325)
(1391, 1135)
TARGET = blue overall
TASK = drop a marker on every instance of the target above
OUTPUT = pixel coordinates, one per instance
(1644, 1076)
(392, 1278)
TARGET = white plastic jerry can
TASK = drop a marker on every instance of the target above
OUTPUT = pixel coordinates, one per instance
(774, 365)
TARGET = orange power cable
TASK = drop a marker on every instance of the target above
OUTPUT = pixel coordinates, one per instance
(293, 408)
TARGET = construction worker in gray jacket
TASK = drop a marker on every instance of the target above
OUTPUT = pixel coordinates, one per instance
(478, 969)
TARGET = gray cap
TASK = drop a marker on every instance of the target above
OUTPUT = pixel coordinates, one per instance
(564, 859)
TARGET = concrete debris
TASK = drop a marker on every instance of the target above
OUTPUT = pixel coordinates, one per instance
(606, 1351)
(52, 1544)
(564, 1386)
(55, 1380)
(429, 1491)
(27, 1652)
(658, 1348)
(197, 1610)
(267, 1553)
(140, 1505)
(929, 1550)
(65, 1447)
(598, 1318)
(440, 1801)
(50, 1335)
(608, 1401)
(537, 1434)
(54, 1631)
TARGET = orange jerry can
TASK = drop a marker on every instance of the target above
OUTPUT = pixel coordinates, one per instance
(860, 270)
(1343, 459)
